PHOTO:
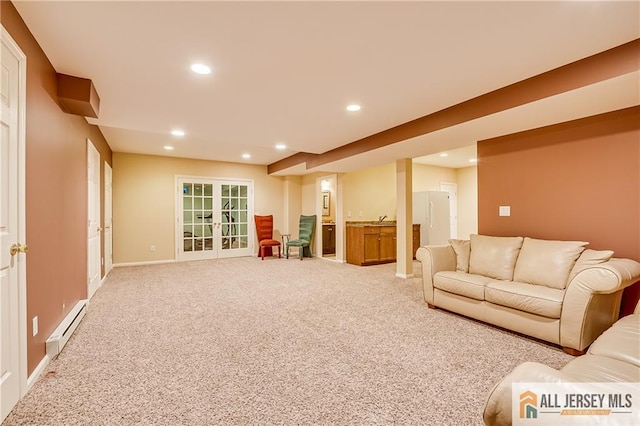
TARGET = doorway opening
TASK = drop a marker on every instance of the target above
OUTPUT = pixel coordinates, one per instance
(328, 235)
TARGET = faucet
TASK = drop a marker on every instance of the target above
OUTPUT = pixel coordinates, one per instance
(381, 218)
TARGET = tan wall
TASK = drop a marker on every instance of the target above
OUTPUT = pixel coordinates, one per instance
(56, 194)
(370, 193)
(467, 201)
(292, 203)
(429, 178)
(573, 181)
(144, 197)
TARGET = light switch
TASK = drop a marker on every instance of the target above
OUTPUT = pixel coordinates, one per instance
(505, 211)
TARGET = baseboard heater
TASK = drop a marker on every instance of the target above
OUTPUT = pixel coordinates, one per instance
(61, 335)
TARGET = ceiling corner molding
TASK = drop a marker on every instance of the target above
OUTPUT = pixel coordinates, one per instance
(77, 95)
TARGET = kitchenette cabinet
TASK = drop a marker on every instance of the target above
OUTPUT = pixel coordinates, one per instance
(373, 243)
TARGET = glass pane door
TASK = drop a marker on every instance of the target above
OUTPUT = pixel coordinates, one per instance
(235, 225)
(197, 220)
(213, 220)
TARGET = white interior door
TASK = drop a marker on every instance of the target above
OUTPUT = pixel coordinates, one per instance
(452, 189)
(214, 218)
(93, 219)
(12, 230)
(108, 218)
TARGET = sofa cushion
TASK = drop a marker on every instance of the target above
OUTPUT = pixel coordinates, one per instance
(460, 283)
(546, 262)
(621, 341)
(494, 257)
(596, 368)
(590, 258)
(531, 298)
(463, 250)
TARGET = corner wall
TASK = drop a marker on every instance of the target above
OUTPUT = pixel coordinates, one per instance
(578, 180)
(144, 201)
(56, 194)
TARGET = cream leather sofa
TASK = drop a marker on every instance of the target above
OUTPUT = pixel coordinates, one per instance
(556, 291)
(613, 358)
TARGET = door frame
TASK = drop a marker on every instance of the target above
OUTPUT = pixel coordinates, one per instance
(178, 231)
(22, 229)
(336, 197)
(91, 289)
(108, 226)
(452, 188)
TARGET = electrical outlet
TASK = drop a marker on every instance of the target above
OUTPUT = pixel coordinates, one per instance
(504, 211)
(35, 326)
(152, 248)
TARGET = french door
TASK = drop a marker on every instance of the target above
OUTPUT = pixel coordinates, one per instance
(214, 218)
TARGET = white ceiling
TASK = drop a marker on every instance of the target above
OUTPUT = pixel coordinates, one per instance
(285, 71)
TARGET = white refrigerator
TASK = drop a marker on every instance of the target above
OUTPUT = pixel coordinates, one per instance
(431, 211)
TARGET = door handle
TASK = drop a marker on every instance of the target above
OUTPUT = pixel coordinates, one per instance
(18, 248)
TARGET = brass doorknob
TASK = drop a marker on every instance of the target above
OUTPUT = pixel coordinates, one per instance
(18, 248)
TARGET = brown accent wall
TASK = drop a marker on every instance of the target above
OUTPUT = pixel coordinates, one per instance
(578, 180)
(56, 193)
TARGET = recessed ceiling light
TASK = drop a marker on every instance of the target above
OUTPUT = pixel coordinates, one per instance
(200, 69)
(177, 132)
(353, 107)
(246, 156)
(473, 160)
(168, 148)
(281, 146)
(444, 154)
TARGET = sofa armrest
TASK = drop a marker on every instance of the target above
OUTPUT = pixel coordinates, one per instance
(498, 407)
(592, 301)
(434, 259)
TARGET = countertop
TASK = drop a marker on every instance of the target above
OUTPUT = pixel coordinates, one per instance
(372, 223)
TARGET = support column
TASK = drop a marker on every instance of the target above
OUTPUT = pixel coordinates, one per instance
(404, 218)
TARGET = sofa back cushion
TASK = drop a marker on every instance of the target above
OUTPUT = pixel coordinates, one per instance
(590, 258)
(462, 248)
(494, 257)
(546, 262)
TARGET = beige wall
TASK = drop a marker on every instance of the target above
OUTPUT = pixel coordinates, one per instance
(429, 178)
(467, 201)
(144, 197)
(370, 193)
(292, 204)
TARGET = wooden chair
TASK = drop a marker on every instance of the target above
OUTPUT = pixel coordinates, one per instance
(264, 231)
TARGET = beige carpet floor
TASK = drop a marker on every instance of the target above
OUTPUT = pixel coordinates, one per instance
(245, 341)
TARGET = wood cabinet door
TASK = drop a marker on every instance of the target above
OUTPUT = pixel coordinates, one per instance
(387, 244)
(416, 239)
(371, 246)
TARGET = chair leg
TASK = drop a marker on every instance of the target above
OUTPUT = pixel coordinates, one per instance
(279, 257)
(286, 252)
(262, 252)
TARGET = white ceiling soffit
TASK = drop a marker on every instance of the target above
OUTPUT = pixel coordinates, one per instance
(285, 71)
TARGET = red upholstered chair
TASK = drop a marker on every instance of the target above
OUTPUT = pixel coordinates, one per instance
(264, 231)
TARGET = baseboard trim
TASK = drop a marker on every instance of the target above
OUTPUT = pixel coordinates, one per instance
(37, 372)
(150, 262)
(404, 276)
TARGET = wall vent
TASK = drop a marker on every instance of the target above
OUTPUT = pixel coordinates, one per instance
(61, 335)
